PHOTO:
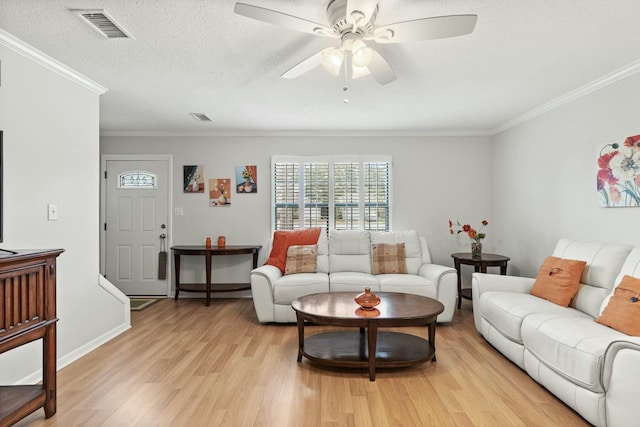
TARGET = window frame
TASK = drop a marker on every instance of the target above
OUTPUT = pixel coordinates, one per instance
(361, 160)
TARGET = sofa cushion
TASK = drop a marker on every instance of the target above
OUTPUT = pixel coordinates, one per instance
(349, 251)
(323, 253)
(288, 288)
(558, 280)
(506, 311)
(352, 281)
(301, 259)
(408, 284)
(573, 347)
(622, 313)
(412, 247)
(282, 239)
(388, 258)
(631, 267)
(598, 277)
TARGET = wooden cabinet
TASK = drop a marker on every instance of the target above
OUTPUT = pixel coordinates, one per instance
(28, 313)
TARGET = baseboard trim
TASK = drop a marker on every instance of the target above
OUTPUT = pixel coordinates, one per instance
(77, 353)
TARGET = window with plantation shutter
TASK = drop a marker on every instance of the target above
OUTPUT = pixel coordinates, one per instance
(340, 192)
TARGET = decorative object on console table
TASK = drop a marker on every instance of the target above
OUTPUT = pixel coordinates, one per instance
(480, 265)
(476, 236)
(27, 314)
(222, 242)
(618, 176)
(367, 300)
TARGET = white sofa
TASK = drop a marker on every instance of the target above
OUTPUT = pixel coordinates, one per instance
(592, 368)
(344, 264)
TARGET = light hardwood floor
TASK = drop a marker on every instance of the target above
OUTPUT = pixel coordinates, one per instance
(184, 364)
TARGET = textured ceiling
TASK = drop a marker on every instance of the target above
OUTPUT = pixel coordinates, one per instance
(198, 56)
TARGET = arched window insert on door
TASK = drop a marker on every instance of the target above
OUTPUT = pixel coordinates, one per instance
(138, 180)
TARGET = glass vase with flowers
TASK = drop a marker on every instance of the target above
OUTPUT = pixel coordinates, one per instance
(476, 235)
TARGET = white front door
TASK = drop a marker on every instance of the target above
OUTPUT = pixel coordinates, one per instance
(136, 219)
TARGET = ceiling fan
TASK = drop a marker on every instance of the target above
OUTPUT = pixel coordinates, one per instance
(353, 22)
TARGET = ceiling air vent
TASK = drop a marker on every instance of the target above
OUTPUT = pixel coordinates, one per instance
(201, 117)
(100, 21)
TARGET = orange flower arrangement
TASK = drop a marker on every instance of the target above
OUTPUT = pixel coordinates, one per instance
(473, 234)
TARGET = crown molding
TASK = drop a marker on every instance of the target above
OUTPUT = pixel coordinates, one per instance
(608, 79)
(10, 41)
(302, 133)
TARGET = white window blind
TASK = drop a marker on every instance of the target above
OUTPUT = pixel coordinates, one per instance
(341, 192)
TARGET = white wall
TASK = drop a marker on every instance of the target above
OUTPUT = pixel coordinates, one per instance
(51, 155)
(545, 177)
(434, 179)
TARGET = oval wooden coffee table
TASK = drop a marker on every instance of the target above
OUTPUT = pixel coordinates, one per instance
(355, 349)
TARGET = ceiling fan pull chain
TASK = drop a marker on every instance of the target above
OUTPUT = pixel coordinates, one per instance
(345, 88)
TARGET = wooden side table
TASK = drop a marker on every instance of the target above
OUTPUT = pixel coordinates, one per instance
(480, 265)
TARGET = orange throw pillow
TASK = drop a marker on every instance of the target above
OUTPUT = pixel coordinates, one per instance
(283, 239)
(558, 280)
(622, 313)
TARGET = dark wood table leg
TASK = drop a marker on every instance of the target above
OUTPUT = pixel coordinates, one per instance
(255, 259)
(300, 335)
(432, 338)
(456, 263)
(503, 269)
(372, 329)
(176, 262)
(208, 275)
(49, 370)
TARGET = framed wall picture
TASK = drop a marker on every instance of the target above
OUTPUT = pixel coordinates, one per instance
(246, 179)
(193, 179)
(618, 176)
(219, 192)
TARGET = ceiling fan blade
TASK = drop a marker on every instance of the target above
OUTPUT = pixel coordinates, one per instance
(381, 70)
(438, 27)
(282, 19)
(359, 12)
(305, 65)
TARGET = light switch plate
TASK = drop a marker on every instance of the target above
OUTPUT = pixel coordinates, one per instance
(52, 212)
(178, 212)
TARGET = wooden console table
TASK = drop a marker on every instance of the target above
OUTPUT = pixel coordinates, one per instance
(480, 265)
(178, 251)
(28, 313)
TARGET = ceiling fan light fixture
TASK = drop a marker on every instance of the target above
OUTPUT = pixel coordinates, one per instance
(362, 54)
(357, 72)
(333, 61)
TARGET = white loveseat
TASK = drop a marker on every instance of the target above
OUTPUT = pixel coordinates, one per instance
(592, 368)
(344, 264)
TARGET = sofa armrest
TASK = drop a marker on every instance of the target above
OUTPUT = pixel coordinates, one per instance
(620, 378)
(262, 280)
(483, 282)
(445, 280)
(269, 272)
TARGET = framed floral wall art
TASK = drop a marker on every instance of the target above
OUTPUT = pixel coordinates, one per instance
(193, 179)
(219, 192)
(246, 179)
(618, 177)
